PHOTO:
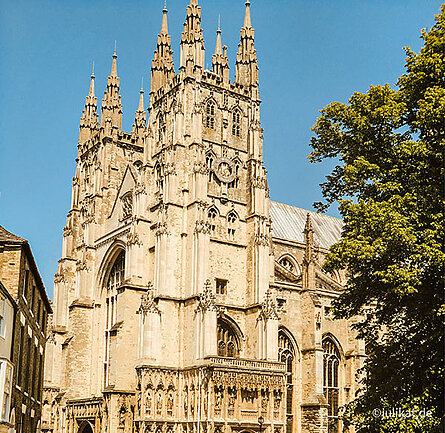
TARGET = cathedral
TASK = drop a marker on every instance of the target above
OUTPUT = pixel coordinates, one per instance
(185, 300)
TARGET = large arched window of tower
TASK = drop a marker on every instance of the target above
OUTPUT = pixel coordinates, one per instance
(114, 280)
(228, 341)
(236, 122)
(331, 363)
(210, 114)
(287, 353)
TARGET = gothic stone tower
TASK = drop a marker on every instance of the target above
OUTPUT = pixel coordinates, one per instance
(165, 299)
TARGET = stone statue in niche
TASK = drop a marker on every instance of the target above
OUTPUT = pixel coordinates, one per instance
(170, 404)
(148, 402)
(159, 404)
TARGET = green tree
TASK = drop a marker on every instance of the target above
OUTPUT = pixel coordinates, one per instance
(389, 183)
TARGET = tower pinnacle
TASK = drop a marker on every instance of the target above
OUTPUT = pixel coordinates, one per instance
(192, 40)
(246, 59)
(89, 119)
(162, 68)
(220, 62)
(111, 103)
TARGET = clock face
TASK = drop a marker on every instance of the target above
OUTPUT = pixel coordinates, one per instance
(224, 170)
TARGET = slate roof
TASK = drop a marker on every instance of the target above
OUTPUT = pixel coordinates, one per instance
(6, 236)
(288, 223)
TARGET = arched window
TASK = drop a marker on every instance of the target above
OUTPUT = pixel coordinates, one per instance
(115, 279)
(289, 264)
(159, 178)
(161, 129)
(209, 161)
(236, 123)
(212, 214)
(210, 115)
(127, 205)
(331, 362)
(228, 343)
(286, 354)
(231, 220)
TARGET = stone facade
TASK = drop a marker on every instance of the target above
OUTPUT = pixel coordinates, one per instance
(177, 306)
(21, 278)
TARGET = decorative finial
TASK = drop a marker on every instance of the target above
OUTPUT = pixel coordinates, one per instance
(142, 83)
(92, 71)
(219, 22)
(115, 47)
(247, 21)
(165, 5)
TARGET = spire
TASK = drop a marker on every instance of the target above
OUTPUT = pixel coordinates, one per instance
(220, 62)
(246, 59)
(111, 103)
(164, 26)
(162, 68)
(89, 119)
(92, 83)
(192, 40)
(247, 21)
(141, 97)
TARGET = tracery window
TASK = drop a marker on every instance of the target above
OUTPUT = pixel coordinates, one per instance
(331, 362)
(114, 280)
(231, 220)
(228, 344)
(127, 206)
(236, 123)
(210, 115)
(161, 128)
(159, 178)
(212, 214)
(286, 353)
(287, 263)
(209, 161)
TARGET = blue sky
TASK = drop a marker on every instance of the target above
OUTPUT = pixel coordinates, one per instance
(311, 52)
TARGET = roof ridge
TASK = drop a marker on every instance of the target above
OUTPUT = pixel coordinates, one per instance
(6, 235)
(307, 210)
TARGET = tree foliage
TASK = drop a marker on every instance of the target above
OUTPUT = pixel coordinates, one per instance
(389, 183)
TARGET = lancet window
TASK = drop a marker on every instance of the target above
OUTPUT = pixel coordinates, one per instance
(231, 220)
(210, 115)
(212, 215)
(236, 123)
(228, 344)
(331, 362)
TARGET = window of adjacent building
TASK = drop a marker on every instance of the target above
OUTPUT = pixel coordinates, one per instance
(210, 115)
(286, 352)
(212, 215)
(33, 391)
(236, 123)
(228, 344)
(39, 384)
(2, 317)
(231, 220)
(221, 286)
(27, 370)
(331, 362)
(5, 385)
(39, 311)
(20, 355)
(26, 284)
(33, 297)
(114, 280)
